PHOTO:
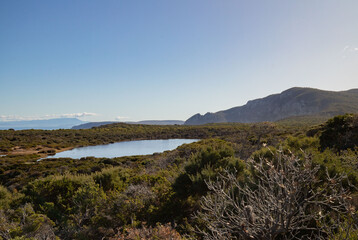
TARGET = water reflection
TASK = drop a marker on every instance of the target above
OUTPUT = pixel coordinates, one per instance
(121, 149)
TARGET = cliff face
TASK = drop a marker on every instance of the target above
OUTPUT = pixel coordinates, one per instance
(289, 103)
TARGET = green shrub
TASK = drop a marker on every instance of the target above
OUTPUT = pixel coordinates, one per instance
(5, 198)
(56, 195)
(340, 133)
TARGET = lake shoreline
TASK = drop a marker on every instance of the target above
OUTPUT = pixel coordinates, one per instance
(17, 150)
(123, 148)
(21, 151)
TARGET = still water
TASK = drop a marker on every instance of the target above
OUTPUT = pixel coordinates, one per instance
(121, 149)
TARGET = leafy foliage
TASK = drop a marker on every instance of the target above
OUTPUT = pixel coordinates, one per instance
(340, 133)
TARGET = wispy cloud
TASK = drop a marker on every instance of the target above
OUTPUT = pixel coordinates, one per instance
(72, 115)
(48, 116)
(12, 118)
(345, 48)
(350, 49)
(119, 118)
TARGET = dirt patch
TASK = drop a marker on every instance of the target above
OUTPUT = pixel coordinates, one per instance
(39, 150)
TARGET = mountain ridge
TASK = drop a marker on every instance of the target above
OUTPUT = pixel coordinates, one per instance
(296, 101)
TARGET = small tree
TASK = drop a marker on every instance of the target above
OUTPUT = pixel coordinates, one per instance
(282, 199)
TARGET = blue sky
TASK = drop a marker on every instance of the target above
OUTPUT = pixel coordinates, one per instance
(159, 59)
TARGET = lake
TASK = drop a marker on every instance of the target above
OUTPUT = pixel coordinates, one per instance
(121, 149)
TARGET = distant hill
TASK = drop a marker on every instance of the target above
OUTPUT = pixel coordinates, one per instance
(290, 103)
(48, 124)
(159, 122)
(146, 122)
(91, 125)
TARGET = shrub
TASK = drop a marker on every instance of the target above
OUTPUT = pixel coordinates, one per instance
(25, 223)
(204, 165)
(5, 198)
(284, 199)
(340, 133)
(58, 196)
(160, 232)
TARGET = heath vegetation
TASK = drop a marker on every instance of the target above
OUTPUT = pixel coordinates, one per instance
(241, 181)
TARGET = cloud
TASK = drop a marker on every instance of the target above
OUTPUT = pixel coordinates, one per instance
(74, 115)
(345, 48)
(48, 116)
(12, 118)
(119, 118)
(350, 49)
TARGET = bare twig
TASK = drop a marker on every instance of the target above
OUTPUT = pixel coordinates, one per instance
(283, 199)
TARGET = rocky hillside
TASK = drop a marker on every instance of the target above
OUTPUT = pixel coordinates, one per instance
(292, 102)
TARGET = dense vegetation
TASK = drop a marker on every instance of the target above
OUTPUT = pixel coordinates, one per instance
(58, 139)
(162, 196)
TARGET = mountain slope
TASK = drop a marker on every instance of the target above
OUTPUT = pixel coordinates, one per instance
(292, 102)
(159, 122)
(91, 125)
(145, 122)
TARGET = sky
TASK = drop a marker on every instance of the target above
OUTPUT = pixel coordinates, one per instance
(158, 59)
